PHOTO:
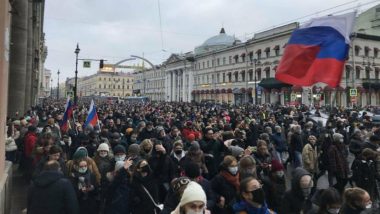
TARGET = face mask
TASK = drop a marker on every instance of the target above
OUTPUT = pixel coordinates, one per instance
(368, 206)
(280, 174)
(194, 212)
(333, 210)
(146, 169)
(120, 157)
(147, 150)
(258, 196)
(44, 118)
(178, 152)
(149, 129)
(341, 140)
(233, 170)
(82, 170)
(103, 155)
(306, 192)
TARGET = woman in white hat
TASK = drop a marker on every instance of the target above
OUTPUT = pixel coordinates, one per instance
(193, 200)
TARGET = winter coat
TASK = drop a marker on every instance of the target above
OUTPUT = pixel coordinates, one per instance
(10, 144)
(222, 187)
(138, 199)
(41, 163)
(30, 141)
(296, 143)
(177, 165)
(337, 164)
(279, 142)
(293, 201)
(117, 200)
(243, 207)
(50, 193)
(364, 175)
(310, 158)
(87, 200)
(356, 146)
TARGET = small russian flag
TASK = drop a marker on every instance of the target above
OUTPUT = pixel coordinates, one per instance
(92, 117)
(67, 115)
(317, 51)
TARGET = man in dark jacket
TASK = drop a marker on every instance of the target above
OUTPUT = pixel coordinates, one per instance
(297, 199)
(50, 192)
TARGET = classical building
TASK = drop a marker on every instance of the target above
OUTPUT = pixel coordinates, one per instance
(105, 84)
(224, 69)
(150, 82)
(27, 54)
(45, 85)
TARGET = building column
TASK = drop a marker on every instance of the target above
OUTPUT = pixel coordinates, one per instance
(17, 58)
(29, 58)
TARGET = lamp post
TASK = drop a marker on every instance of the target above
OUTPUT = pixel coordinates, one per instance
(51, 88)
(76, 75)
(255, 63)
(58, 85)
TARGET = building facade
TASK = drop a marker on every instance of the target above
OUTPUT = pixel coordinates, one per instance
(45, 85)
(225, 70)
(151, 83)
(105, 84)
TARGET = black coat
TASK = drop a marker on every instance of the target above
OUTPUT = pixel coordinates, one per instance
(50, 193)
(222, 187)
(140, 202)
(293, 201)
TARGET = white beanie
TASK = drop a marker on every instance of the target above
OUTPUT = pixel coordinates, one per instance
(119, 165)
(103, 147)
(193, 192)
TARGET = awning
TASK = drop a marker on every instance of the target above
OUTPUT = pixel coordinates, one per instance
(271, 82)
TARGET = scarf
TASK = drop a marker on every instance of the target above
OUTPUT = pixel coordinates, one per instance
(234, 180)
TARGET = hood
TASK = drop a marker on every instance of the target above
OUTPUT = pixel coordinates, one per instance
(47, 178)
(297, 175)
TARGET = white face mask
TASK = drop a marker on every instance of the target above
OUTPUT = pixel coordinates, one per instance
(368, 206)
(194, 212)
(103, 154)
(120, 157)
(280, 173)
(233, 170)
(333, 210)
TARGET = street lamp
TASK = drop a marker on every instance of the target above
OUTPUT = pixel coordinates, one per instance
(51, 88)
(76, 75)
(256, 62)
(58, 85)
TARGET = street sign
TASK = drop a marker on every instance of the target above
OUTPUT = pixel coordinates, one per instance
(353, 92)
(87, 64)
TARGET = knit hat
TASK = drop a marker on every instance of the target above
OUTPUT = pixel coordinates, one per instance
(119, 149)
(277, 166)
(191, 137)
(177, 143)
(134, 149)
(119, 165)
(103, 147)
(193, 192)
(236, 151)
(129, 130)
(80, 153)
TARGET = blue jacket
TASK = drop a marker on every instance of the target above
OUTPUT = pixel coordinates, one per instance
(244, 207)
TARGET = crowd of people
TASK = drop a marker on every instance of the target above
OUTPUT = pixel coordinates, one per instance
(188, 158)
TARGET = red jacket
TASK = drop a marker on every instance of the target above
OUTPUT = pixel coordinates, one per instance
(29, 142)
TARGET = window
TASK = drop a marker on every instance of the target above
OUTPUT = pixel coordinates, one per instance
(236, 76)
(259, 75)
(203, 65)
(224, 77)
(229, 77)
(375, 52)
(100, 86)
(267, 73)
(105, 86)
(224, 60)
(213, 63)
(218, 78)
(243, 76)
(267, 52)
(276, 50)
(347, 74)
(218, 62)
(118, 86)
(243, 57)
(127, 86)
(366, 51)
(208, 64)
(367, 73)
(100, 79)
(207, 79)
(377, 74)
(357, 74)
(236, 57)
(250, 75)
(357, 50)
(109, 79)
(258, 52)
(113, 86)
(229, 59)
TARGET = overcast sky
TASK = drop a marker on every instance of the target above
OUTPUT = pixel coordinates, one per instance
(115, 29)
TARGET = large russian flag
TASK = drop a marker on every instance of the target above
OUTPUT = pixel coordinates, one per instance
(317, 51)
(92, 117)
(67, 115)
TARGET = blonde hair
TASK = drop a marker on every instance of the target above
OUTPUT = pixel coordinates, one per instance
(353, 195)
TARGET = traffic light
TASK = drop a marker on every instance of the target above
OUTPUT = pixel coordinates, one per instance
(101, 64)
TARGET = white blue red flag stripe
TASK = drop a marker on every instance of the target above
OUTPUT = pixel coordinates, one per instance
(67, 115)
(317, 51)
(92, 117)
